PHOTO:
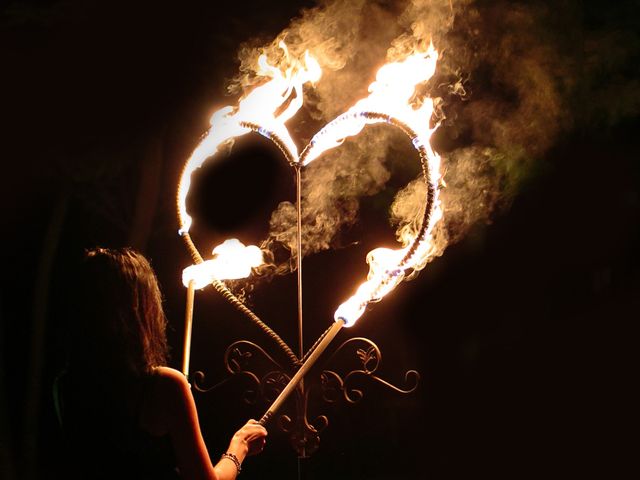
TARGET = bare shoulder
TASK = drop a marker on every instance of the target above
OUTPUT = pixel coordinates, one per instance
(171, 381)
(170, 373)
(169, 395)
(175, 400)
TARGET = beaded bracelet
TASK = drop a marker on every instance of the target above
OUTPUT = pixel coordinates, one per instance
(234, 459)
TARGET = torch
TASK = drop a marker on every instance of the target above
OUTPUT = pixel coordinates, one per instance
(231, 260)
(188, 323)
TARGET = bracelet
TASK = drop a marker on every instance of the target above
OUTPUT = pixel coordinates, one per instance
(234, 459)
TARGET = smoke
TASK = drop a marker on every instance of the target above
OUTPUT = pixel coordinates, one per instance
(332, 187)
(512, 79)
(349, 39)
(471, 194)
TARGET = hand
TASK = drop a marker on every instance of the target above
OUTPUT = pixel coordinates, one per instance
(251, 437)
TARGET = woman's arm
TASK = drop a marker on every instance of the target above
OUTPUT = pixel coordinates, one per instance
(183, 426)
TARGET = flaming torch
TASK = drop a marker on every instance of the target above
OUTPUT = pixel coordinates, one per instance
(231, 261)
(390, 102)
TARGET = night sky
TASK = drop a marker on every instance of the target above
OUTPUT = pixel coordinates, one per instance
(521, 330)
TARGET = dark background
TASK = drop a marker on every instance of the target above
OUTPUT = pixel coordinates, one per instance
(521, 331)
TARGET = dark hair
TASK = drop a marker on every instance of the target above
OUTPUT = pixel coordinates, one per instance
(120, 324)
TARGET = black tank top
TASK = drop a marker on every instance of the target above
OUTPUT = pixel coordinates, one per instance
(103, 435)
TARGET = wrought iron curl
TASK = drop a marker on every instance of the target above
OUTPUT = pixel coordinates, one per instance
(272, 384)
(239, 358)
(333, 384)
(303, 435)
(198, 381)
(236, 359)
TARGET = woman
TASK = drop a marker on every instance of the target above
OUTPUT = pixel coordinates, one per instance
(124, 413)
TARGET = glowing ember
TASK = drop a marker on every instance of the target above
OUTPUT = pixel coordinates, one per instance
(232, 260)
(260, 106)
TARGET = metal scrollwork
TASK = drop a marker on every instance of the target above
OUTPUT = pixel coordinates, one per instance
(239, 356)
(266, 378)
(245, 359)
(334, 385)
(304, 435)
(197, 379)
(272, 384)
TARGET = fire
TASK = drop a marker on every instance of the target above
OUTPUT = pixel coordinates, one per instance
(391, 94)
(232, 260)
(261, 106)
(390, 100)
(265, 109)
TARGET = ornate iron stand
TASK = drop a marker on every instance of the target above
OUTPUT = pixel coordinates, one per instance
(267, 377)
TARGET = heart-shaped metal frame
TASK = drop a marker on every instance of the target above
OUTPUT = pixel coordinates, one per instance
(315, 148)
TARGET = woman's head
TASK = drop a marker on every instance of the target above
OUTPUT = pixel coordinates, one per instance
(120, 323)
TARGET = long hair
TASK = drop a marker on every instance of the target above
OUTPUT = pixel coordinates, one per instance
(120, 324)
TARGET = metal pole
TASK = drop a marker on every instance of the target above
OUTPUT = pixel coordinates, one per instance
(299, 262)
(299, 259)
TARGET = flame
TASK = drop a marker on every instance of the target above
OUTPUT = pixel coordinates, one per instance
(262, 106)
(232, 260)
(391, 94)
(392, 97)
